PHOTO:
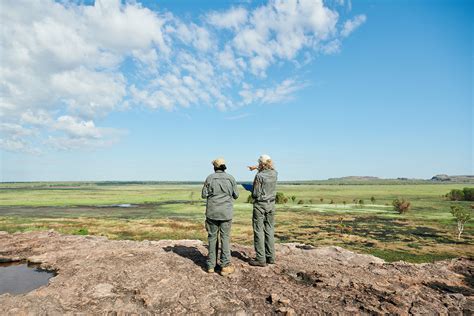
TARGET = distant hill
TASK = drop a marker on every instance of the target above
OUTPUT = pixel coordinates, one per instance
(457, 179)
(354, 178)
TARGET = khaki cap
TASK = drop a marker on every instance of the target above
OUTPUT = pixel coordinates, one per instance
(218, 162)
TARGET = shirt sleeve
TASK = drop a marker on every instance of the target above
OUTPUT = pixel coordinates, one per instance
(205, 189)
(235, 190)
(257, 184)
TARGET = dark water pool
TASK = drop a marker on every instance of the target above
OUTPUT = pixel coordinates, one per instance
(20, 277)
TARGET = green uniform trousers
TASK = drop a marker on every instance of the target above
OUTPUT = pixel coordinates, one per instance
(214, 229)
(263, 221)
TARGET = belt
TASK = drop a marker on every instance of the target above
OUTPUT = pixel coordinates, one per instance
(266, 201)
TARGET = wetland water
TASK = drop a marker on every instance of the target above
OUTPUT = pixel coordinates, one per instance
(19, 277)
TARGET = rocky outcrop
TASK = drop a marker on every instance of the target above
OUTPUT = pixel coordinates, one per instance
(96, 275)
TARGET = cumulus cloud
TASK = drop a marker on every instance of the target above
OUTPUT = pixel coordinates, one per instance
(281, 29)
(78, 133)
(65, 65)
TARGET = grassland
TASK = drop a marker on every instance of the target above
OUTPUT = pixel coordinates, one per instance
(175, 211)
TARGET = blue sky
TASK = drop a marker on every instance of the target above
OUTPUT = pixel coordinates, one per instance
(380, 88)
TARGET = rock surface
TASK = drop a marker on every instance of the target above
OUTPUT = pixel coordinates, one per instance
(96, 275)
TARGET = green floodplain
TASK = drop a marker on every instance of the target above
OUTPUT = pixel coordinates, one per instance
(322, 213)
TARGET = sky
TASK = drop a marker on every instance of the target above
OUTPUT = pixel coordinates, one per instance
(155, 90)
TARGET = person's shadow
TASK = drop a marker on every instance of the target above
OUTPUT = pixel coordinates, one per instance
(191, 253)
(240, 255)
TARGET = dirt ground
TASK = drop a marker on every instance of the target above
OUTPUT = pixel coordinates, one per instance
(100, 276)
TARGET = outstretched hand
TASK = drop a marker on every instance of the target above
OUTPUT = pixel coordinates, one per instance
(252, 168)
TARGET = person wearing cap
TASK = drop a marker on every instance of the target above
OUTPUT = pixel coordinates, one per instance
(263, 219)
(220, 190)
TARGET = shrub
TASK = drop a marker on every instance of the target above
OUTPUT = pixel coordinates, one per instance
(311, 201)
(462, 215)
(250, 199)
(372, 199)
(361, 202)
(321, 200)
(82, 231)
(300, 202)
(401, 206)
(332, 202)
(343, 227)
(293, 198)
(456, 195)
(280, 198)
(344, 202)
(468, 194)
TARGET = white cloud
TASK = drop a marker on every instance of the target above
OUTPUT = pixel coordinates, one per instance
(65, 65)
(14, 137)
(64, 57)
(194, 35)
(82, 134)
(230, 19)
(332, 47)
(281, 92)
(351, 25)
(89, 92)
(281, 29)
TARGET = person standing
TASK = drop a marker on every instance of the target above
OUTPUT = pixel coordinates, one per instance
(263, 219)
(220, 189)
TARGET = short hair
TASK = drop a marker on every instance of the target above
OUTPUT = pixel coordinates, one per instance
(221, 167)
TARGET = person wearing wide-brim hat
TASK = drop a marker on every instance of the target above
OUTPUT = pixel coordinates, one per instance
(220, 190)
(263, 219)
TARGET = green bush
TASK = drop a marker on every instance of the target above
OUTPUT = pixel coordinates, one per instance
(401, 206)
(82, 231)
(281, 198)
(372, 199)
(468, 194)
(456, 195)
(300, 202)
(293, 198)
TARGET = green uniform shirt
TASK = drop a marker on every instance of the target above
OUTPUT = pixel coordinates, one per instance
(264, 186)
(220, 189)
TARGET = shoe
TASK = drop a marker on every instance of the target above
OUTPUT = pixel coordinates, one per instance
(271, 261)
(210, 270)
(227, 270)
(256, 263)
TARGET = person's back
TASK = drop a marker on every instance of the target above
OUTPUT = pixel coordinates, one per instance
(265, 186)
(263, 219)
(220, 191)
